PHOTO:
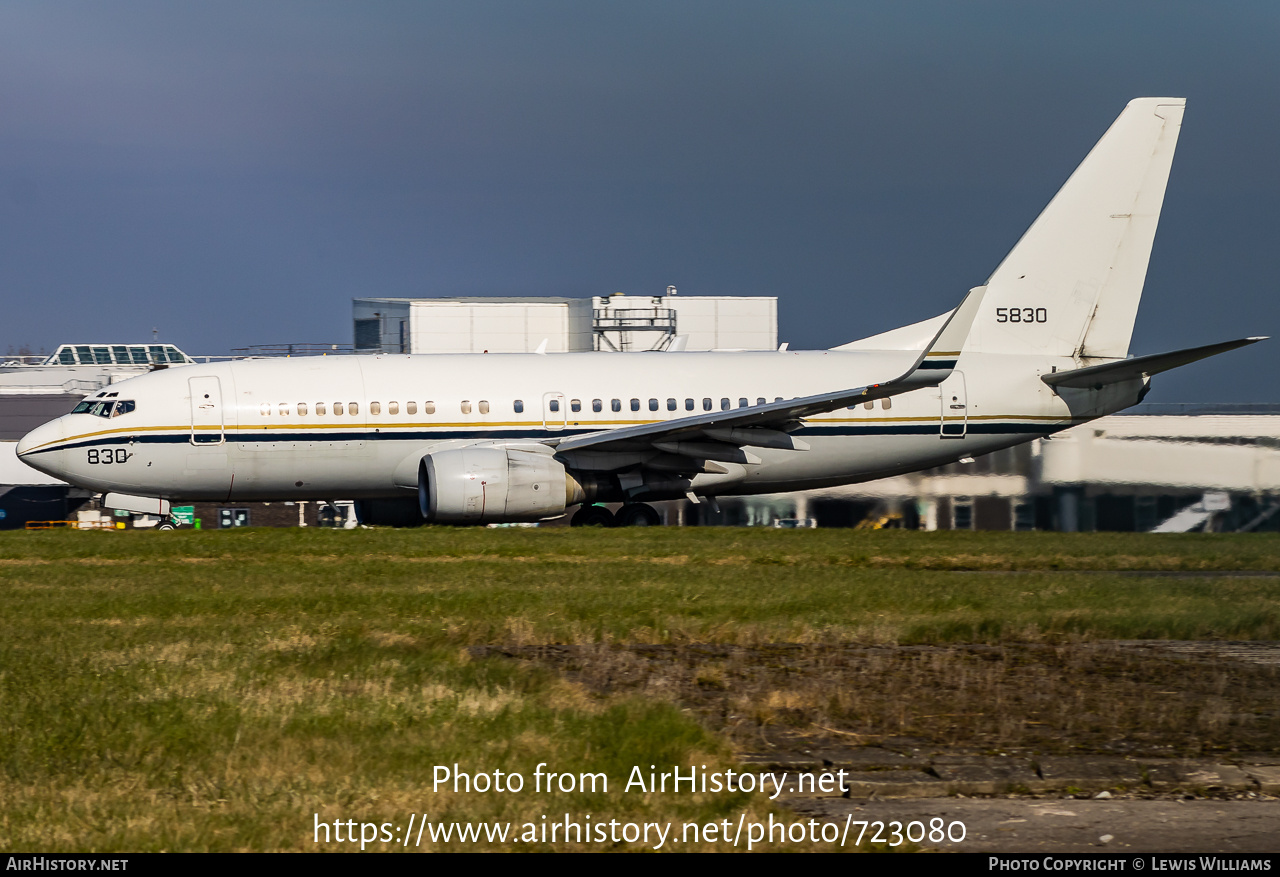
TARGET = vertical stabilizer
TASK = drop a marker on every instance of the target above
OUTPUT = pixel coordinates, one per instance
(1072, 284)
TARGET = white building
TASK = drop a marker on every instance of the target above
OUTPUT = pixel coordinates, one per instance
(1156, 467)
(520, 325)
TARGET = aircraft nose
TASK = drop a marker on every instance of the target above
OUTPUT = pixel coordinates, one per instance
(36, 448)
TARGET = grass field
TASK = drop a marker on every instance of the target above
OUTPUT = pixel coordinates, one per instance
(216, 690)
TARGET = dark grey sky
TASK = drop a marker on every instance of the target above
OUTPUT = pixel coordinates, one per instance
(234, 173)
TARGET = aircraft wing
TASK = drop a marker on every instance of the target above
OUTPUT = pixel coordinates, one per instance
(720, 435)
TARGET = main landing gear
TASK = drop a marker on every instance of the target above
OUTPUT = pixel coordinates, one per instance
(634, 514)
(637, 514)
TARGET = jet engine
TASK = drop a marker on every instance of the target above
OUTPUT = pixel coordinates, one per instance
(482, 484)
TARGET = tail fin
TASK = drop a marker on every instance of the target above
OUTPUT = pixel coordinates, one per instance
(1072, 284)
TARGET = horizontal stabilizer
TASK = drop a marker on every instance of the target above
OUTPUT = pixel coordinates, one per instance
(1098, 376)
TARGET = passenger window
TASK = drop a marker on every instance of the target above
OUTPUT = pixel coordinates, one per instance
(706, 404)
(671, 405)
(302, 409)
(353, 409)
(635, 404)
(688, 404)
(320, 409)
(265, 409)
(724, 404)
(337, 408)
(393, 407)
(466, 406)
(429, 408)
(760, 401)
(484, 406)
(575, 405)
(375, 407)
(597, 406)
(616, 404)
(777, 398)
(284, 409)
(518, 405)
(411, 408)
(554, 405)
(869, 405)
(886, 403)
(653, 404)
(742, 403)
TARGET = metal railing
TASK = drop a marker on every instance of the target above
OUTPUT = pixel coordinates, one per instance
(634, 319)
(291, 349)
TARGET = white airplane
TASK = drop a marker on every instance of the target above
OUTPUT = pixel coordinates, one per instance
(473, 439)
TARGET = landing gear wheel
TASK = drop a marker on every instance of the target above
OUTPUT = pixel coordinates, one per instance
(637, 514)
(592, 516)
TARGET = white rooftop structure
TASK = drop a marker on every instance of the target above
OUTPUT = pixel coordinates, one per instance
(615, 322)
(83, 368)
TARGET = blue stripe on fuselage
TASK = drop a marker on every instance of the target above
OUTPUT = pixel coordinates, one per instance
(930, 427)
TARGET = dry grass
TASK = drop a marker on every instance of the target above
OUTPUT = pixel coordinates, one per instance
(1052, 699)
(218, 690)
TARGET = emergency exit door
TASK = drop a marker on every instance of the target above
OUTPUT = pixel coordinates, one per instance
(554, 413)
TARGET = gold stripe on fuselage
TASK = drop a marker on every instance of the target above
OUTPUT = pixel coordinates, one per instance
(527, 424)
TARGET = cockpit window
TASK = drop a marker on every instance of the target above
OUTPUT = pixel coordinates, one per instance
(104, 407)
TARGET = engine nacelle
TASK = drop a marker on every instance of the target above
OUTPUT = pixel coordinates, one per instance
(480, 485)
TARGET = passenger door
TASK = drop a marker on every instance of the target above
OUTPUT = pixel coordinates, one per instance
(207, 426)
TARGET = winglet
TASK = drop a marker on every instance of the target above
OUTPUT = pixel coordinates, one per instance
(939, 357)
(945, 349)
